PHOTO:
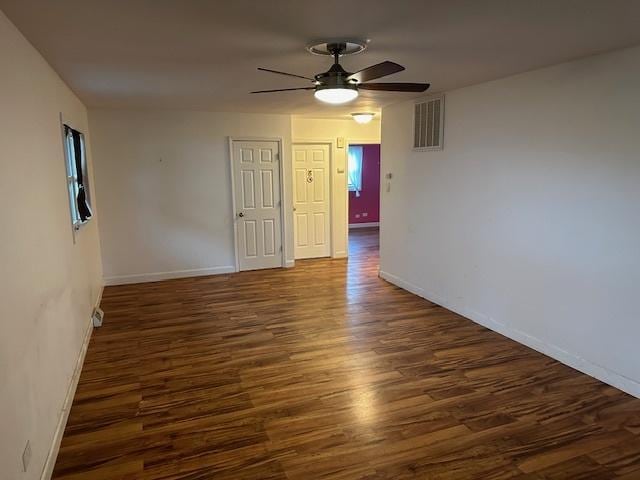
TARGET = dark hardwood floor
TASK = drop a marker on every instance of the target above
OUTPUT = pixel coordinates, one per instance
(325, 371)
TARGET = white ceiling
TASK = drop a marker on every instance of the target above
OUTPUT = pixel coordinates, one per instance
(203, 54)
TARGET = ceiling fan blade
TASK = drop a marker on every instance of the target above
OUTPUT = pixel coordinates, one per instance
(285, 73)
(284, 90)
(395, 87)
(376, 71)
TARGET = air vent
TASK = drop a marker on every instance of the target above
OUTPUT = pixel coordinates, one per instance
(429, 124)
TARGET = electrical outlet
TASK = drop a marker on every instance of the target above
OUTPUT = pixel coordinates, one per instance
(365, 214)
(357, 215)
(26, 456)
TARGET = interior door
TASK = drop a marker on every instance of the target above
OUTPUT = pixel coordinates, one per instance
(312, 214)
(256, 178)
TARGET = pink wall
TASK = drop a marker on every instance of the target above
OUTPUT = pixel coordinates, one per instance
(369, 200)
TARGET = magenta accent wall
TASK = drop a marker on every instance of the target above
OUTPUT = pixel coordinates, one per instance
(369, 199)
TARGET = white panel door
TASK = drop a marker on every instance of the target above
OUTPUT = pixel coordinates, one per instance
(256, 177)
(312, 214)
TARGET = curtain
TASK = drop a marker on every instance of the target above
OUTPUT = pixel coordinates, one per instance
(354, 181)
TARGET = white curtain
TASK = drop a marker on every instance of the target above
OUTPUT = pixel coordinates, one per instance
(355, 169)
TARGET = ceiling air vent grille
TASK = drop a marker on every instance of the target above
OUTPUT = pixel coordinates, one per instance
(428, 121)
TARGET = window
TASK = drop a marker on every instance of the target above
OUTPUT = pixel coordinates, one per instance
(354, 182)
(77, 178)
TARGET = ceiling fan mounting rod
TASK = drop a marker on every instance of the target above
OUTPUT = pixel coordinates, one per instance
(336, 50)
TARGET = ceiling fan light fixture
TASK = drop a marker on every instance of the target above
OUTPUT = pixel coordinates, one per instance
(336, 95)
(363, 117)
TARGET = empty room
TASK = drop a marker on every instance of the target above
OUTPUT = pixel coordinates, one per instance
(339, 240)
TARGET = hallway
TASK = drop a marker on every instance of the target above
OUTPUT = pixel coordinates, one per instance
(327, 371)
(364, 245)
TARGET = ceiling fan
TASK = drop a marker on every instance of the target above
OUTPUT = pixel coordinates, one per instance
(336, 85)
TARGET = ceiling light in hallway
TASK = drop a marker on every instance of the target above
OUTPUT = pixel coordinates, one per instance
(363, 117)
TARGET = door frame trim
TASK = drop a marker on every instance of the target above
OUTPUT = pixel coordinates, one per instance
(328, 143)
(280, 142)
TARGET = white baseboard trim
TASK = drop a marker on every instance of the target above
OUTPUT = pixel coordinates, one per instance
(364, 225)
(289, 263)
(52, 456)
(159, 276)
(621, 382)
(99, 298)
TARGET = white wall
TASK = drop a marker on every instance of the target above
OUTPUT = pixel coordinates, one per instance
(528, 221)
(304, 129)
(164, 185)
(48, 285)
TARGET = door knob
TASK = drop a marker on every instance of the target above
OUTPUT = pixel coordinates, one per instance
(241, 214)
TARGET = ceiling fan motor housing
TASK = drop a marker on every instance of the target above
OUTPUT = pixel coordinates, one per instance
(335, 77)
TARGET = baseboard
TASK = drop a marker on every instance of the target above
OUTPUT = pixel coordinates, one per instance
(99, 298)
(159, 276)
(50, 462)
(587, 367)
(409, 287)
(364, 225)
(289, 263)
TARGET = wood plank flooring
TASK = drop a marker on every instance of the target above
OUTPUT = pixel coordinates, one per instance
(325, 371)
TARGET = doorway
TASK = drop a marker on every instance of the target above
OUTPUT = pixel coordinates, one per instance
(311, 200)
(363, 183)
(256, 180)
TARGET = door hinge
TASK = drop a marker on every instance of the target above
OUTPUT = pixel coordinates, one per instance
(280, 247)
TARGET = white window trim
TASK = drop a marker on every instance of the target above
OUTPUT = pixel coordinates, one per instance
(71, 178)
